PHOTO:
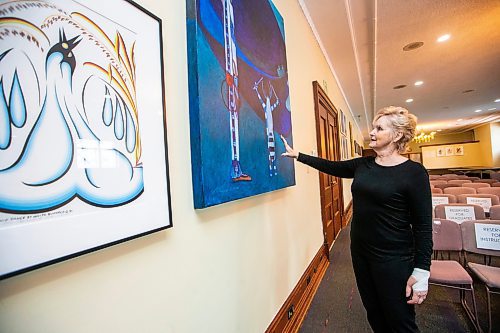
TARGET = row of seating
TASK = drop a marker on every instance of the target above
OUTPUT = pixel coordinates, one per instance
(460, 212)
(466, 190)
(462, 238)
(492, 182)
(490, 174)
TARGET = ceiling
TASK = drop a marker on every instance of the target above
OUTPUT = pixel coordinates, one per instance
(363, 42)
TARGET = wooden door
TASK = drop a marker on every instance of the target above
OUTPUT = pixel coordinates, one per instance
(328, 148)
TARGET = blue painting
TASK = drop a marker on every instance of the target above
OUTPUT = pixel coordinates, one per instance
(239, 100)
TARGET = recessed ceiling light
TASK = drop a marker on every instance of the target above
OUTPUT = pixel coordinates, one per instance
(478, 110)
(419, 83)
(443, 38)
(413, 46)
(497, 100)
(492, 109)
(459, 119)
(439, 130)
(409, 100)
(399, 86)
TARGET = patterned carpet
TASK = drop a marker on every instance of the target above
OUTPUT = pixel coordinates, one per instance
(337, 306)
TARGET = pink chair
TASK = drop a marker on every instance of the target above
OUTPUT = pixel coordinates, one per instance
(436, 190)
(489, 190)
(443, 186)
(459, 181)
(437, 182)
(440, 212)
(495, 184)
(488, 181)
(486, 204)
(495, 212)
(459, 190)
(476, 185)
(451, 198)
(446, 236)
(488, 275)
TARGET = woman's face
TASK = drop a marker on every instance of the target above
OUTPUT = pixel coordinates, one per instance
(382, 135)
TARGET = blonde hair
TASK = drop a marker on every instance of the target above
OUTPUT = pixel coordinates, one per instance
(402, 122)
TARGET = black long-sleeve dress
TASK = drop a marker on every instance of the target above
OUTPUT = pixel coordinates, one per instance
(392, 207)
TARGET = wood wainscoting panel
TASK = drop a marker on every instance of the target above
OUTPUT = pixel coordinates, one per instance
(289, 318)
(347, 215)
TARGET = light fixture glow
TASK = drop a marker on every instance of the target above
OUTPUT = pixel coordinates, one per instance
(419, 83)
(439, 130)
(478, 110)
(443, 38)
(423, 137)
(409, 100)
(497, 100)
(492, 109)
(459, 119)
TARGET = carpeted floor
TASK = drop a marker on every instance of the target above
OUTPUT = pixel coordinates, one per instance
(337, 306)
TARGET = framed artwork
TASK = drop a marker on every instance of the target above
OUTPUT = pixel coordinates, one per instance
(343, 123)
(345, 148)
(239, 102)
(449, 151)
(351, 140)
(83, 151)
(440, 152)
(458, 150)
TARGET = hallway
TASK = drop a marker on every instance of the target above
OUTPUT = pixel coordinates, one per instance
(337, 306)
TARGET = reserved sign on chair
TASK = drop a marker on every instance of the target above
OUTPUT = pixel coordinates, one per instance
(487, 236)
(459, 214)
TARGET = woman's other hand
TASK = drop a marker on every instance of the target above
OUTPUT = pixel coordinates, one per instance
(289, 151)
(414, 296)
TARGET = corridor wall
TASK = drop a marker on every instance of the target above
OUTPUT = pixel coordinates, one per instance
(227, 268)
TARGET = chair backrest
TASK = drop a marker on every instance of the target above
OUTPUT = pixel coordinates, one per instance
(489, 181)
(497, 184)
(459, 190)
(446, 235)
(443, 186)
(449, 176)
(489, 190)
(459, 181)
(495, 212)
(459, 212)
(440, 199)
(483, 200)
(469, 238)
(436, 190)
(436, 182)
(476, 185)
(433, 177)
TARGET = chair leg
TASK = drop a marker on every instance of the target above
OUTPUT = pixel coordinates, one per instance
(471, 314)
(489, 308)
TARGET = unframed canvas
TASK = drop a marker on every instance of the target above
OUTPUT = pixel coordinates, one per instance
(239, 100)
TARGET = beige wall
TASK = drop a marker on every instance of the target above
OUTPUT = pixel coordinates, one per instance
(483, 135)
(495, 143)
(443, 139)
(227, 268)
(473, 156)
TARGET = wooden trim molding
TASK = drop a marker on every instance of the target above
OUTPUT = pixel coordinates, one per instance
(347, 215)
(449, 144)
(291, 315)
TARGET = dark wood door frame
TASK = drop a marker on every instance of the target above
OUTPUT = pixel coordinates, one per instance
(330, 143)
